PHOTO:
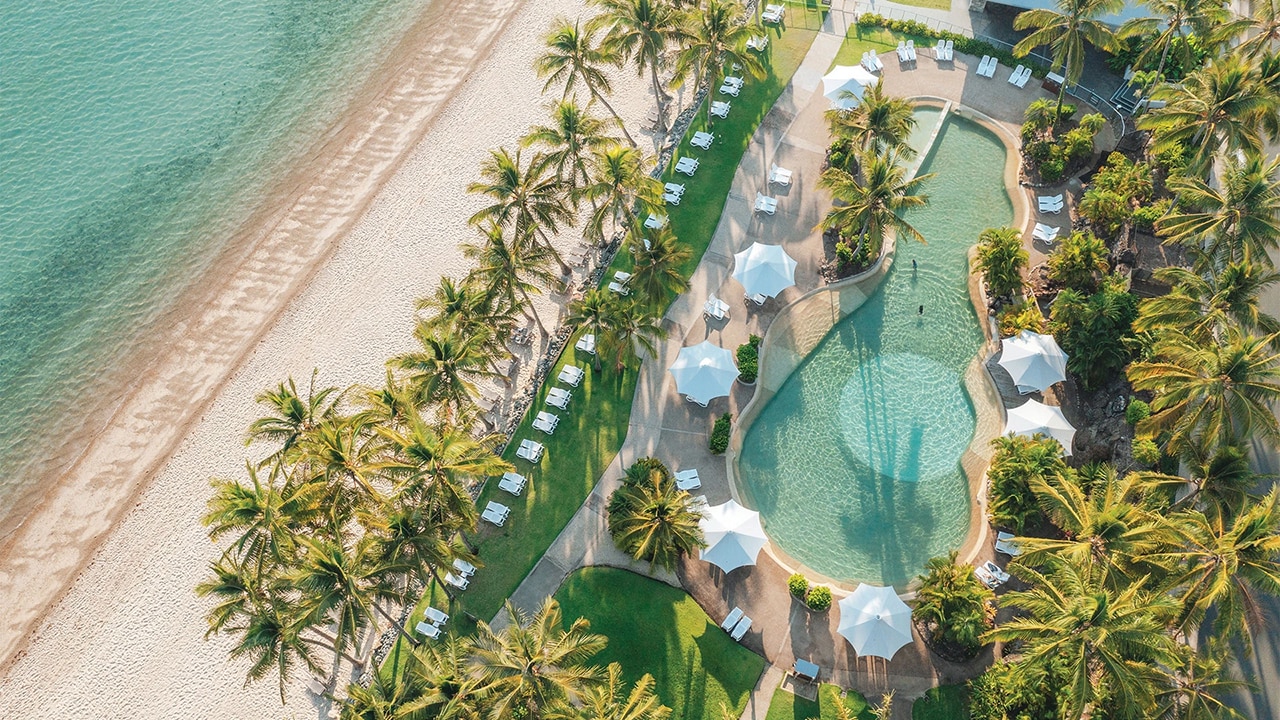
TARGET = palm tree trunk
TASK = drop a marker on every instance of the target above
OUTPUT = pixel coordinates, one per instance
(533, 313)
(329, 642)
(657, 94)
(394, 623)
(436, 575)
(621, 125)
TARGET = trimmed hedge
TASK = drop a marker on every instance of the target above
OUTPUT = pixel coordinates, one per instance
(964, 44)
(720, 434)
(819, 598)
(749, 359)
(798, 585)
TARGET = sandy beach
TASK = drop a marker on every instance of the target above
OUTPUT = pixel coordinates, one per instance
(101, 620)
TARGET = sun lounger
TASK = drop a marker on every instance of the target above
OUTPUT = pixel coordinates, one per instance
(495, 513)
(779, 175)
(674, 189)
(426, 628)
(546, 422)
(622, 276)
(559, 397)
(687, 165)
(1017, 73)
(732, 619)
(772, 14)
(911, 50)
(1051, 204)
(986, 577)
(766, 204)
(530, 450)
(694, 400)
(715, 307)
(436, 617)
(459, 582)
(981, 70)
(720, 109)
(587, 344)
(464, 568)
(1005, 544)
(758, 298)
(950, 51)
(619, 288)
(805, 669)
(735, 81)
(702, 140)
(513, 482)
(757, 43)
(940, 50)
(902, 51)
(996, 571)
(731, 90)
(1045, 233)
(671, 199)
(1026, 75)
(655, 222)
(867, 63)
(571, 375)
(688, 480)
(741, 628)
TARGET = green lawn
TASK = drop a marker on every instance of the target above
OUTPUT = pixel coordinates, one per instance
(934, 4)
(786, 706)
(655, 628)
(947, 702)
(883, 41)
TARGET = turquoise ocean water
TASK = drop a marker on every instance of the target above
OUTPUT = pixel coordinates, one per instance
(135, 136)
(855, 463)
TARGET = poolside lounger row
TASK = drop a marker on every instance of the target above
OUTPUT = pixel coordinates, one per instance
(496, 513)
(766, 204)
(1051, 203)
(779, 175)
(687, 165)
(773, 14)
(688, 480)
(587, 344)
(871, 62)
(1005, 544)
(907, 51)
(546, 422)
(720, 109)
(530, 450)
(571, 375)
(1045, 233)
(715, 307)
(987, 68)
(1019, 76)
(513, 482)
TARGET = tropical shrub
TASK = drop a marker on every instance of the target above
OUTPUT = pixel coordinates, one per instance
(1145, 216)
(798, 585)
(844, 254)
(1146, 452)
(1137, 411)
(1015, 318)
(1096, 331)
(749, 359)
(720, 434)
(1001, 259)
(840, 154)
(1008, 691)
(1077, 144)
(1051, 168)
(651, 519)
(952, 607)
(1017, 459)
(1079, 262)
(819, 598)
(1127, 50)
(1105, 210)
(1131, 180)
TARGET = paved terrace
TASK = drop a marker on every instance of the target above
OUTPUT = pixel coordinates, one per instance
(664, 425)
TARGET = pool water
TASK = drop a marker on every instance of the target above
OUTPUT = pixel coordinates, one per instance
(855, 463)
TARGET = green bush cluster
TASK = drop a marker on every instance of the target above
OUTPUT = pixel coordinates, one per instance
(1114, 193)
(844, 254)
(819, 598)
(967, 45)
(1126, 52)
(720, 434)
(841, 154)
(798, 585)
(1146, 452)
(1137, 411)
(1052, 149)
(1001, 259)
(1096, 331)
(749, 359)
(1025, 315)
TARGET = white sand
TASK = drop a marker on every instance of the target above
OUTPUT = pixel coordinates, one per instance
(126, 638)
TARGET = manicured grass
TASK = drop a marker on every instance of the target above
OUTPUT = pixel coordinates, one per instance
(655, 628)
(948, 702)
(786, 706)
(933, 4)
(883, 41)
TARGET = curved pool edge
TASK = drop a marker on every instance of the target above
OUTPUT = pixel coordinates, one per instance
(840, 299)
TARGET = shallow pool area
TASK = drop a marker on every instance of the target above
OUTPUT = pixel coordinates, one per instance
(854, 463)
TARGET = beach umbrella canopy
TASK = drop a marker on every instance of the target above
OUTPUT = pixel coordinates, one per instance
(875, 621)
(764, 269)
(1034, 417)
(734, 536)
(1034, 361)
(855, 79)
(704, 372)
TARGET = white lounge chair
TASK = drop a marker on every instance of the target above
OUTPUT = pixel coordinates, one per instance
(981, 70)
(671, 199)
(741, 628)
(758, 298)
(655, 222)
(622, 276)
(426, 628)
(757, 43)
(997, 572)
(902, 51)
(559, 397)
(911, 50)
(986, 577)
(702, 140)
(1017, 73)
(687, 165)
(951, 51)
(530, 450)
(731, 619)
(619, 288)
(1005, 544)
(940, 50)
(1045, 233)
(464, 568)
(459, 582)
(674, 189)
(766, 204)
(1026, 75)
(513, 482)
(735, 81)
(688, 480)
(495, 513)
(779, 175)
(694, 400)
(720, 109)
(435, 616)
(773, 14)
(715, 308)
(729, 90)
(1051, 203)
(587, 344)
(546, 422)
(875, 61)
(867, 63)
(571, 375)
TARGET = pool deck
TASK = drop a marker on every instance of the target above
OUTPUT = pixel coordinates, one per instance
(663, 425)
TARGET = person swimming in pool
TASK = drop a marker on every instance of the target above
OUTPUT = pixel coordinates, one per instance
(921, 310)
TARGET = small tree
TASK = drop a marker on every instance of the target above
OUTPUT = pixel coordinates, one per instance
(819, 598)
(1016, 461)
(1080, 262)
(1001, 259)
(1096, 331)
(953, 606)
(651, 519)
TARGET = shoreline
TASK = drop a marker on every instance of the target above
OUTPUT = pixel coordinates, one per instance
(274, 257)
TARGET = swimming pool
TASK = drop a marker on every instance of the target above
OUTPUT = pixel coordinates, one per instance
(854, 463)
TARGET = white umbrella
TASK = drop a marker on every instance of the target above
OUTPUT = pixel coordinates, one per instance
(875, 621)
(855, 79)
(704, 372)
(764, 269)
(1034, 361)
(1033, 417)
(733, 534)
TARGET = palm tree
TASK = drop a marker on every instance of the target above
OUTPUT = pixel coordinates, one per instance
(1066, 30)
(271, 639)
(527, 198)
(512, 269)
(594, 314)
(1225, 564)
(1234, 219)
(1173, 21)
(878, 123)
(389, 404)
(1264, 28)
(534, 666)
(472, 308)
(953, 601)
(1215, 394)
(609, 700)
(659, 258)
(573, 56)
(384, 699)
(1199, 685)
(1223, 480)
(413, 542)
(1205, 307)
(638, 31)
(291, 415)
(632, 328)
(442, 673)
(653, 520)
(342, 452)
(875, 204)
(1214, 108)
(1080, 261)
(445, 370)
(619, 188)
(264, 517)
(1001, 259)
(1108, 643)
(714, 36)
(570, 139)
